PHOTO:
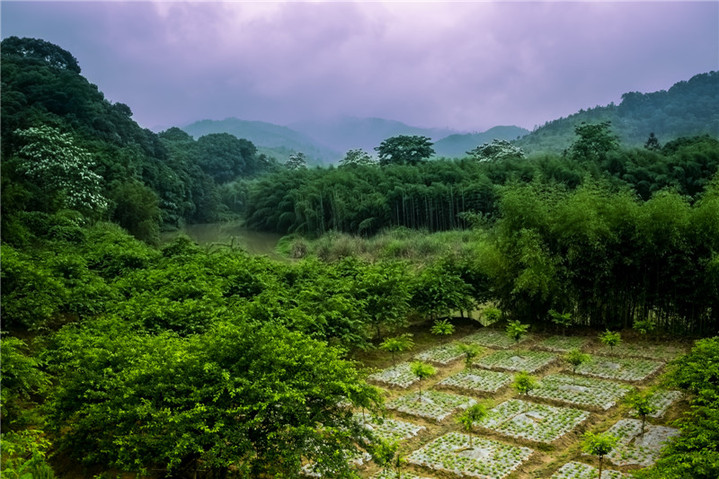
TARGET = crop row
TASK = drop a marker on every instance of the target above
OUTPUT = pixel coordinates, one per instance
(618, 368)
(584, 392)
(479, 380)
(511, 360)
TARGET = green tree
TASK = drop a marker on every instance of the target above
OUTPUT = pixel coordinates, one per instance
(562, 320)
(357, 157)
(599, 445)
(442, 327)
(516, 330)
(296, 161)
(387, 455)
(23, 380)
(470, 352)
(524, 383)
(472, 414)
(652, 143)
(137, 209)
(642, 404)
(496, 150)
(404, 150)
(398, 344)
(422, 371)
(576, 358)
(644, 326)
(595, 141)
(610, 338)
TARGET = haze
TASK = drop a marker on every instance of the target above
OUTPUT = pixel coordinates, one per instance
(467, 66)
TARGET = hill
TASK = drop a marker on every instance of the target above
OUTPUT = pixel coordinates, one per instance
(456, 146)
(688, 108)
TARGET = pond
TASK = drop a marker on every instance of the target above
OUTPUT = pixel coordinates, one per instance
(227, 233)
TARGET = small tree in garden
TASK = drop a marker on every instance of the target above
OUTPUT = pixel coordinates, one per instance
(599, 445)
(611, 339)
(398, 344)
(491, 314)
(644, 327)
(576, 358)
(524, 383)
(474, 413)
(642, 404)
(516, 330)
(442, 327)
(422, 371)
(470, 352)
(562, 320)
(386, 454)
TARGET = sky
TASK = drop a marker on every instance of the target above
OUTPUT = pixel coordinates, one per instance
(461, 65)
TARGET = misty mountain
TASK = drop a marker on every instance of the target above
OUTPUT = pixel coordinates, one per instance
(275, 140)
(457, 145)
(346, 133)
(688, 108)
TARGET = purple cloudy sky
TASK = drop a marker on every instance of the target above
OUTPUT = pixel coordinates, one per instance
(464, 65)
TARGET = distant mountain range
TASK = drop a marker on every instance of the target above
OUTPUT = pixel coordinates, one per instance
(326, 142)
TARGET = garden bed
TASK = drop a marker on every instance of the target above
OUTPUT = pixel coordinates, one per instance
(356, 458)
(535, 422)
(435, 405)
(478, 380)
(632, 370)
(393, 475)
(399, 376)
(635, 448)
(577, 470)
(562, 344)
(662, 352)
(389, 429)
(578, 391)
(511, 360)
(661, 400)
(442, 354)
(487, 459)
(491, 338)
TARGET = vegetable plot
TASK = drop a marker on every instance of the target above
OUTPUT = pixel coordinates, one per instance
(584, 392)
(511, 360)
(389, 429)
(399, 376)
(443, 354)
(432, 405)
(618, 368)
(491, 339)
(577, 470)
(478, 380)
(562, 344)
(635, 448)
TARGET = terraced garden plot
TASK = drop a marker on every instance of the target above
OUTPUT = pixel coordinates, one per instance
(442, 354)
(479, 380)
(635, 448)
(487, 459)
(619, 368)
(662, 399)
(535, 422)
(389, 429)
(511, 360)
(491, 339)
(578, 391)
(562, 344)
(577, 470)
(399, 376)
(662, 352)
(393, 475)
(435, 405)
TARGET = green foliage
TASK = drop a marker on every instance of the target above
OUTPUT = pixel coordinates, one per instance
(387, 455)
(562, 320)
(136, 208)
(357, 157)
(642, 404)
(610, 338)
(296, 161)
(644, 326)
(404, 150)
(576, 357)
(524, 383)
(496, 150)
(442, 327)
(599, 445)
(398, 344)
(516, 330)
(24, 455)
(437, 292)
(23, 380)
(491, 314)
(422, 371)
(472, 414)
(595, 141)
(470, 352)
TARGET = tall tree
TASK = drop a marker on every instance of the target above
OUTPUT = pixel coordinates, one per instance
(404, 150)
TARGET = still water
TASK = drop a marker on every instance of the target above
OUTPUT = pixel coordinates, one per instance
(227, 233)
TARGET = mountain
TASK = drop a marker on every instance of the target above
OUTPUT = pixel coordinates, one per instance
(688, 108)
(456, 146)
(275, 140)
(346, 133)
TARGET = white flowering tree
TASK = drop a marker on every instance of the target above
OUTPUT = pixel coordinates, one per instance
(497, 150)
(51, 160)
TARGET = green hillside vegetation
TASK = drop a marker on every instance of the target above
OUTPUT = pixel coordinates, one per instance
(457, 145)
(120, 357)
(688, 108)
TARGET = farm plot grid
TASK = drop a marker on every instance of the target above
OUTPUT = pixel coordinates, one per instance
(389, 429)
(579, 391)
(435, 405)
(478, 380)
(663, 352)
(442, 354)
(491, 339)
(486, 459)
(535, 422)
(619, 368)
(562, 344)
(511, 360)
(635, 448)
(400, 376)
(578, 470)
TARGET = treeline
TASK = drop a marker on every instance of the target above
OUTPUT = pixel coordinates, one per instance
(55, 123)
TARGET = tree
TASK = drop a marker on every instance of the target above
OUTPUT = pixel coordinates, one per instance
(296, 161)
(599, 445)
(40, 50)
(491, 314)
(652, 143)
(387, 455)
(496, 150)
(472, 414)
(404, 150)
(137, 209)
(422, 371)
(524, 383)
(516, 330)
(575, 357)
(357, 157)
(609, 338)
(595, 141)
(398, 344)
(644, 326)
(470, 352)
(442, 327)
(562, 320)
(642, 404)
(22, 380)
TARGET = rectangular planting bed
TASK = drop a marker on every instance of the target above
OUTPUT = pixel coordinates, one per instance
(399, 376)
(577, 470)
(619, 368)
(435, 405)
(562, 344)
(512, 360)
(579, 391)
(442, 354)
(491, 338)
(662, 352)
(486, 459)
(635, 448)
(535, 422)
(389, 429)
(478, 380)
